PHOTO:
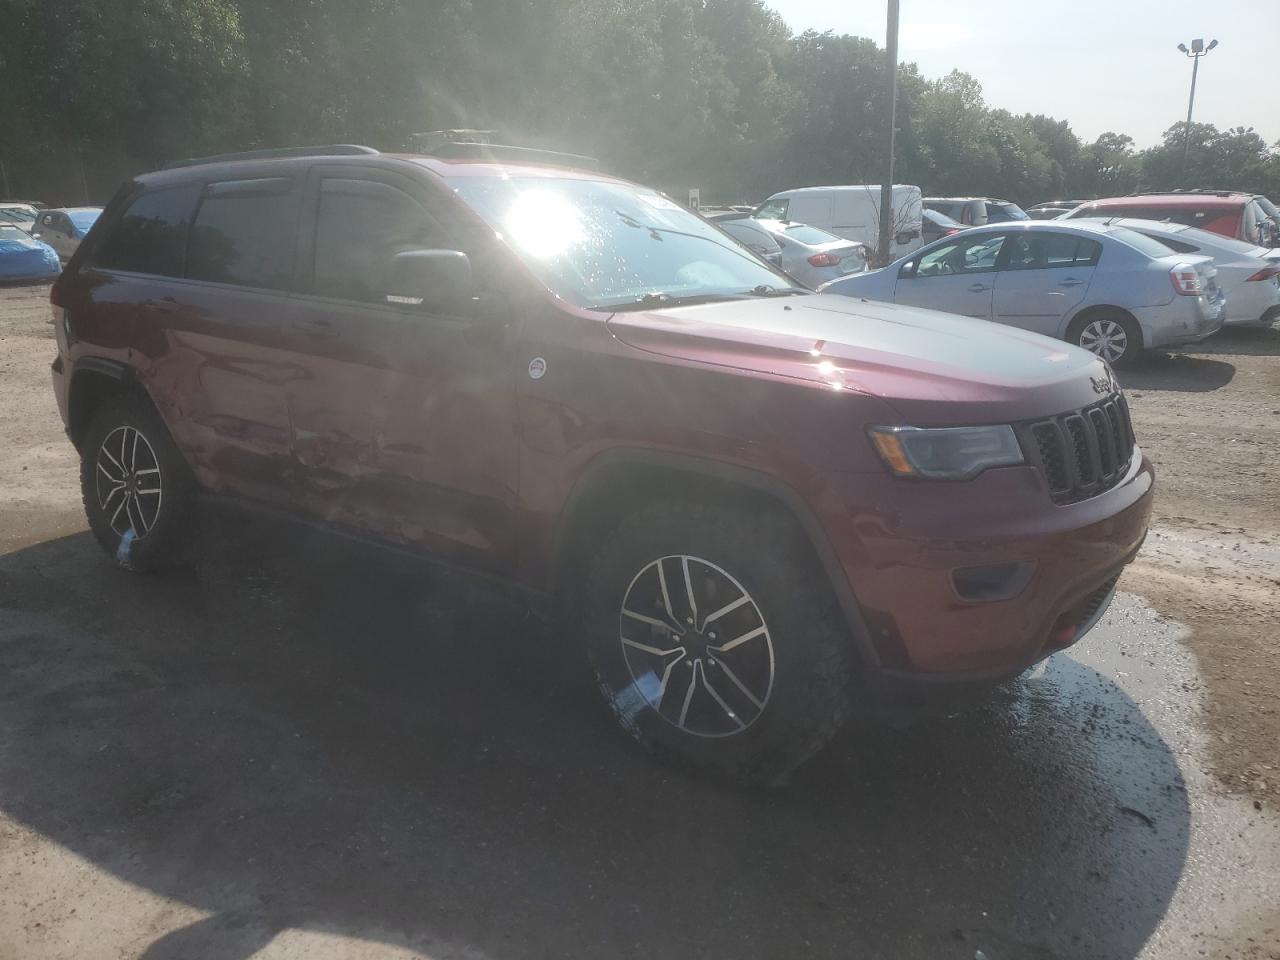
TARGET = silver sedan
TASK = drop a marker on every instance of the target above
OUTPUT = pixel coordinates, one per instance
(1101, 287)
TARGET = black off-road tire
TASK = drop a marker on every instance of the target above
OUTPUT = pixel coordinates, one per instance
(163, 542)
(1132, 332)
(814, 664)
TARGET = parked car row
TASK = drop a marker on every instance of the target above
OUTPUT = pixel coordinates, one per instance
(46, 237)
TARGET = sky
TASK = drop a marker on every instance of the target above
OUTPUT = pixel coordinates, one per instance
(1099, 64)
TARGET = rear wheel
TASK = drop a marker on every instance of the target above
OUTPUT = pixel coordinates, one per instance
(716, 640)
(1112, 336)
(136, 488)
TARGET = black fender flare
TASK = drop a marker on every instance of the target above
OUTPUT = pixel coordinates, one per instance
(744, 477)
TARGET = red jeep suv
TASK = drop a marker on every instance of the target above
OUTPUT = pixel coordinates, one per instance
(762, 509)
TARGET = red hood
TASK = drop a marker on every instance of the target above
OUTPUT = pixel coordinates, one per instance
(932, 367)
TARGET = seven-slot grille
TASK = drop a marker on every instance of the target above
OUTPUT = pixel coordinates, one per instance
(1084, 452)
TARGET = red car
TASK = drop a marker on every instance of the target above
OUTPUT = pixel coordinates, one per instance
(762, 508)
(1235, 215)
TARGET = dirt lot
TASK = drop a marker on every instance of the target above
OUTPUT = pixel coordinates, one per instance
(250, 760)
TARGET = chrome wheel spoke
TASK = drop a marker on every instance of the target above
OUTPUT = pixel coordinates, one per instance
(656, 625)
(124, 458)
(688, 585)
(688, 695)
(759, 631)
(728, 710)
(737, 682)
(652, 651)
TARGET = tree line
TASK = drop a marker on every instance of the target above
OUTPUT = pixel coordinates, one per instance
(717, 94)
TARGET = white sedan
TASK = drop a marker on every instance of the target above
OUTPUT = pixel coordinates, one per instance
(1248, 275)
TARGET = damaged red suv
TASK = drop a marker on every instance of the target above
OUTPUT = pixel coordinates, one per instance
(763, 509)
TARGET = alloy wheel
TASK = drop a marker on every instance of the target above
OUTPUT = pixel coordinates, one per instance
(1106, 338)
(697, 646)
(128, 482)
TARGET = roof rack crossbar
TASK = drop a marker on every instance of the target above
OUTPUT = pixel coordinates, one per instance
(271, 153)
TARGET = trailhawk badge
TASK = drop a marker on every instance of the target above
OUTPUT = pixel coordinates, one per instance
(537, 368)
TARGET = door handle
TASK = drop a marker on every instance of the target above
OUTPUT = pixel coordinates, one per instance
(978, 287)
(1070, 282)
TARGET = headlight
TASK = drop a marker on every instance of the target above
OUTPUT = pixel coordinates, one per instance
(946, 453)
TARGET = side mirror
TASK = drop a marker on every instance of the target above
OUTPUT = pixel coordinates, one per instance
(432, 280)
(908, 270)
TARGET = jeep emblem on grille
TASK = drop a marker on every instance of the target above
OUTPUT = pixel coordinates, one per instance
(1103, 385)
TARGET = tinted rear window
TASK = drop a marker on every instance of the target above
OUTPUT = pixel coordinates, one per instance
(1152, 248)
(243, 234)
(803, 233)
(152, 234)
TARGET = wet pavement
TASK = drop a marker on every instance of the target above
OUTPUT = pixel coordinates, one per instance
(299, 749)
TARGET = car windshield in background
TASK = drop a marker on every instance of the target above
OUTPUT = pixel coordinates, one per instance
(803, 233)
(1140, 241)
(84, 219)
(608, 245)
(999, 212)
(16, 215)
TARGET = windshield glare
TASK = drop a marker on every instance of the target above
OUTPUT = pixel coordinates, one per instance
(601, 244)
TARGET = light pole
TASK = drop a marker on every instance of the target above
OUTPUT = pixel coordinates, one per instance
(1198, 50)
(885, 252)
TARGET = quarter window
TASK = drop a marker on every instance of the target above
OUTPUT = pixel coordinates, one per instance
(152, 234)
(243, 235)
(360, 226)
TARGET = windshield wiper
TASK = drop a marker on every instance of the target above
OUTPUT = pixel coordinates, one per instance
(769, 290)
(660, 299)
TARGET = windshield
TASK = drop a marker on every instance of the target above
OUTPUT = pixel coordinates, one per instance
(1000, 212)
(84, 219)
(17, 214)
(937, 218)
(603, 244)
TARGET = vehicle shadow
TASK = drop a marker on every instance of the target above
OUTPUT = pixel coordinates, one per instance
(1176, 372)
(298, 737)
(1244, 342)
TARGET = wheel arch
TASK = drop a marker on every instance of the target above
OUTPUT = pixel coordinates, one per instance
(95, 381)
(1087, 313)
(620, 481)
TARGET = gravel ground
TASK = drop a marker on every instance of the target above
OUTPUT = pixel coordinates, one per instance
(294, 750)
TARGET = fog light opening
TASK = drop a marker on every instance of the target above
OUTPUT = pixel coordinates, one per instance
(985, 584)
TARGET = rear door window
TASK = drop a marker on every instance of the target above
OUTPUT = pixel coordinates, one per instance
(243, 234)
(151, 235)
(1046, 251)
(360, 226)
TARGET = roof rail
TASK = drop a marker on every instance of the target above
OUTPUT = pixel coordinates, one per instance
(479, 145)
(271, 153)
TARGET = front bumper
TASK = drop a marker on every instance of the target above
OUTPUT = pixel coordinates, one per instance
(901, 543)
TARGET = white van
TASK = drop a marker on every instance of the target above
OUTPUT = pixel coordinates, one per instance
(852, 212)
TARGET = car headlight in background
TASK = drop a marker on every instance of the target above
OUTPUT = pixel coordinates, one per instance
(946, 453)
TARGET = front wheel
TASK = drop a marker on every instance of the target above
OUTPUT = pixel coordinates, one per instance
(1114, 338)
(716, 639)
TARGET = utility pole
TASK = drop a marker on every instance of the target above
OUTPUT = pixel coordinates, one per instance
(1198, 50)
(884, 252)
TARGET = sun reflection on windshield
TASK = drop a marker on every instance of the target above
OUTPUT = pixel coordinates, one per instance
(544, 224)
